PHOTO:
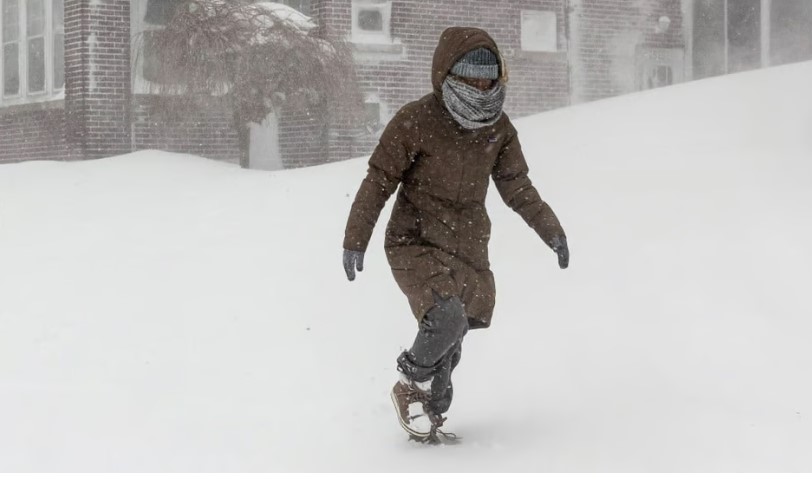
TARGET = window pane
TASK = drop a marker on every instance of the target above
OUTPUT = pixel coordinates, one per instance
(303, 6)
(59, 61)
(744, 35)
(11, 17)
(11, 70)
(370, 20)
(59, 15)
(151, 61)
(36, 64)
(36, 17)
(709, 38)
(790, 37)
(160, 12)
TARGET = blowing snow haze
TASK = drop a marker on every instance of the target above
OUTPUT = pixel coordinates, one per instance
(171, 294)
(166, 312)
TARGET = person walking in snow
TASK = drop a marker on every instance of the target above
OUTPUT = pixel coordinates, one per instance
(442, 151)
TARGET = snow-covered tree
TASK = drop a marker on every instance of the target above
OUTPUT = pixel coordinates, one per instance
(259, 56)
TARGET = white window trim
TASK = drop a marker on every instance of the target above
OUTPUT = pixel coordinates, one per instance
(363, 37)
(23, 96)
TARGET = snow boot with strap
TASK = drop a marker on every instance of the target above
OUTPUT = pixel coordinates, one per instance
(411, 400)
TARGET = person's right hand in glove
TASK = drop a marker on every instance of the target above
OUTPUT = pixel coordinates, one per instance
(353, 260)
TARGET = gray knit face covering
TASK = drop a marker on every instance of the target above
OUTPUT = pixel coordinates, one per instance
(470, 107)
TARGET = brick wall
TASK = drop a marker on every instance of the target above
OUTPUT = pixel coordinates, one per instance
(605, 36)
(97, 119)
(206, 132)
(97, 76)
(538, 81)
(33, 132)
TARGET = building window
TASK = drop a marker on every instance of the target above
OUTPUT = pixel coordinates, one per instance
(790, 23)
(726, 37)
(35, 13)
(744, 35)
(148, 20)
(539, 31)
(371, 20)
(33, 50)
(11, 48)
(304, 6)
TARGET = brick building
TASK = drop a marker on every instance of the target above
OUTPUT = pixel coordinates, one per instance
(72, 75)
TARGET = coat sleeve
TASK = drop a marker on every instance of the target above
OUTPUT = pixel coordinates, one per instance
(391, 159)
(511, 180)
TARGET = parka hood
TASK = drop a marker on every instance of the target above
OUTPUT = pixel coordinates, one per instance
(454, 43)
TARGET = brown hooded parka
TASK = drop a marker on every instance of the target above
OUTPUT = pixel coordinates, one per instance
(437, 237)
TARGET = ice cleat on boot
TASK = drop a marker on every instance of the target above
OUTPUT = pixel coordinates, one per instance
(411, 404)
(411, 400)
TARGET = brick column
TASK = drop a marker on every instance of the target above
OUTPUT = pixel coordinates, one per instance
(97, 77)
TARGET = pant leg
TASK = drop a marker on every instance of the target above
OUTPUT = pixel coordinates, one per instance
(442, 390)
(440, 331)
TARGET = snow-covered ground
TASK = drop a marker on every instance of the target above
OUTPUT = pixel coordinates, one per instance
(162, 312)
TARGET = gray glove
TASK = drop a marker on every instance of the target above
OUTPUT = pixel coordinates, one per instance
(353, 260)
(559, 245)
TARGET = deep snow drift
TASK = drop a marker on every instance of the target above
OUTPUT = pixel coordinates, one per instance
(162, 312)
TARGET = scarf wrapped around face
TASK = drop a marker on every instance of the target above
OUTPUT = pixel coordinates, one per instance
(470, 107)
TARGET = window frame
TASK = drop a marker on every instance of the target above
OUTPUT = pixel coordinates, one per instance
(23, 95)
(56, 29)
(365, 37)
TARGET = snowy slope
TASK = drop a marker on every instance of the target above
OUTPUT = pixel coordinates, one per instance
(162, 312)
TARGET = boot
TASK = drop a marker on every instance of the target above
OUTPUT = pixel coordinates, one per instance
(411, 400)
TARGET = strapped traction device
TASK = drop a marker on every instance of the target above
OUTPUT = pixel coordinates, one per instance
(434, 437)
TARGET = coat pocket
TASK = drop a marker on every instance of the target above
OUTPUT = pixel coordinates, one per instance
(404, 224)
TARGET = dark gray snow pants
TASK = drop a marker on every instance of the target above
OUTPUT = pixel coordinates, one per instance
(437, 350)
